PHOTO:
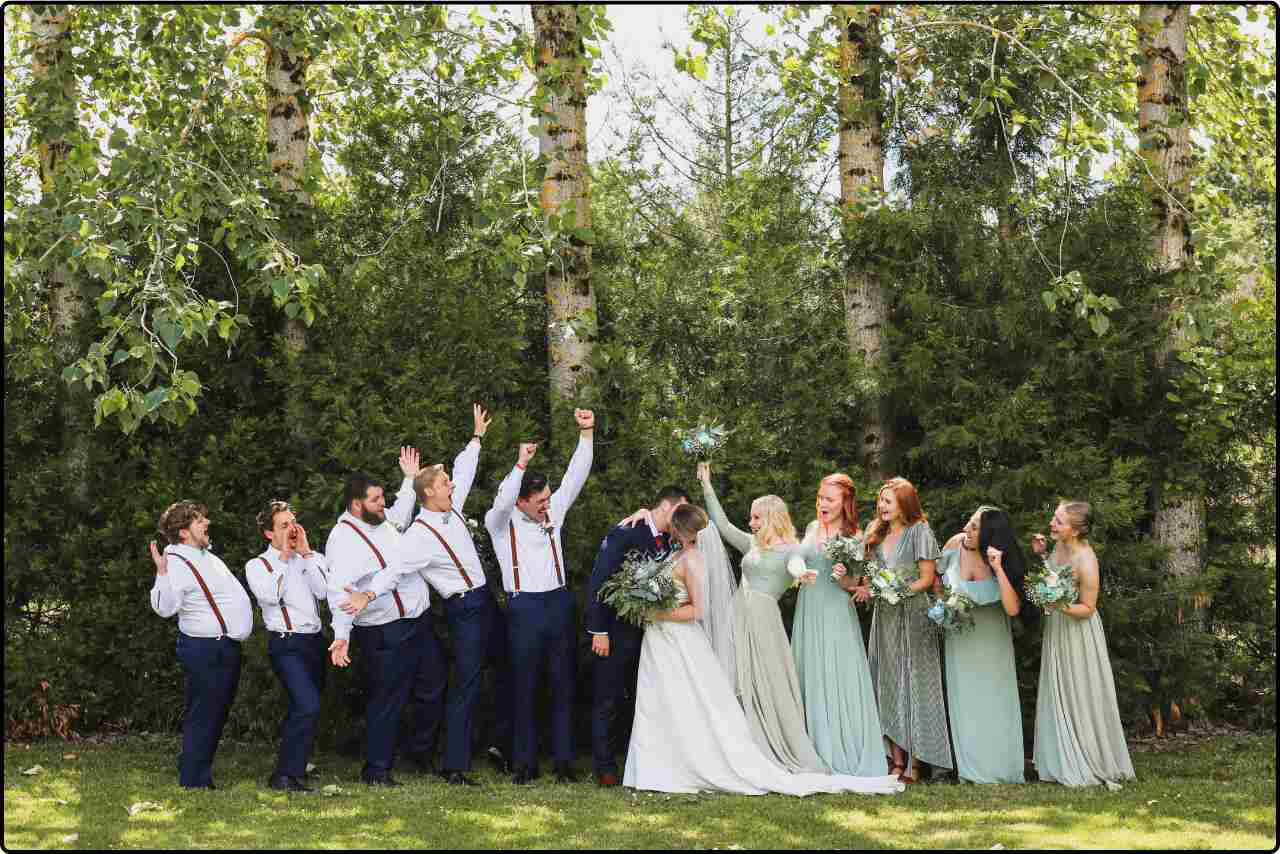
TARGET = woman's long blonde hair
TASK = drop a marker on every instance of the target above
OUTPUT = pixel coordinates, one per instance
(777, 527)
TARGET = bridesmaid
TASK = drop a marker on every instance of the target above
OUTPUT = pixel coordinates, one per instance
(1079, 740)
(831, 658)
(985, 562)
(767, 683)
(903, 654)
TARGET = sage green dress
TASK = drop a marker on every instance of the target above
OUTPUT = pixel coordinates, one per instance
(1079, 738)
(904, 659)
(767, 684)
(982, 684)
(835, 681)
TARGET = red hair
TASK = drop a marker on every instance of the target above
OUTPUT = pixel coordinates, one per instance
(847, 504)
(908, 505)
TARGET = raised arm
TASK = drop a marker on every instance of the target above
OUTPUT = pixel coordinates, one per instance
(401, 513)
(575, 476)
(504, 502)
(734, 536)
(466, 463)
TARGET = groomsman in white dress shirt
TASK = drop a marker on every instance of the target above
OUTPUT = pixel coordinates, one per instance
(288, 579)
(214, 617)
(525, 523)
(439, 546)
(394, 632)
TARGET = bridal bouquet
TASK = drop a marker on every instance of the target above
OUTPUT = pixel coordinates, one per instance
(849, 551)
(702, 440)
(642, 584)
(890, 586)
(1052, 585)
(951, 610)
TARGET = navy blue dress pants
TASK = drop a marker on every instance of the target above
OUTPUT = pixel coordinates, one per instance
(391, 655)
(299, 660)
(212, 667)
(541, 638)
(430, 678)
(501, 732)
(613, 695)
(470, 617)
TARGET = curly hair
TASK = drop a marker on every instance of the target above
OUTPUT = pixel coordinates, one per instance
(177, 517)
(267, 516)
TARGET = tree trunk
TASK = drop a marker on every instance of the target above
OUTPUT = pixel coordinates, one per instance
(51, 65)
(288, 136)
(1164, 140)
(562, 143)
(862, 179)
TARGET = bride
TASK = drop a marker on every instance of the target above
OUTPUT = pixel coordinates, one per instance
(690, 733)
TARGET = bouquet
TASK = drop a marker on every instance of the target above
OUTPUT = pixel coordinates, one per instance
(642, 584)
(1052, 585)
(951, 610)
(849, 551)
(702, 440)
(488, 560)
(890, 586)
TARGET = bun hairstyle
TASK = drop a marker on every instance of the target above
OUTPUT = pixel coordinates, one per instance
(1080, 515)
(777, 527)
(908, 505)
(844, 483)
(687, 520)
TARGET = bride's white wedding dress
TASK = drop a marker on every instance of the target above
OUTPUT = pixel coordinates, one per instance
(690, 733)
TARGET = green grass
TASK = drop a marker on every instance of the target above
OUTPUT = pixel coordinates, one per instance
(1216, 794)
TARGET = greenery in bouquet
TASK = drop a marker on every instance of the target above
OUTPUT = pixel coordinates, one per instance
(701, 441)
(891, 586)
(642, 584)
(1051, 585)
(850, 551)
(950, 611)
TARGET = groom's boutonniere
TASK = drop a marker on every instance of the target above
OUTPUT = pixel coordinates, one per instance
(548, 527)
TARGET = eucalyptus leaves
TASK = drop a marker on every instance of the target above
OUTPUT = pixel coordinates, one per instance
(641, 585)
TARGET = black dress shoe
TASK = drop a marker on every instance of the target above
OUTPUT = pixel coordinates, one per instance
(457, 778)
(205, 786)
(524, 776)
(498, 760)
(564, 773)
(379, 780)
(285, 783)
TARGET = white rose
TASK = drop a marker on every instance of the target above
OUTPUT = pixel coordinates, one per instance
(1051, 578)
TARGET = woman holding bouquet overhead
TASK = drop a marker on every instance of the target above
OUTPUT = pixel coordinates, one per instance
(831, 658)
(1079, 738)
(984, 562)
(903, 654)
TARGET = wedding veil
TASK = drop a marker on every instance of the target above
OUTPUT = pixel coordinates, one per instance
(716, 587)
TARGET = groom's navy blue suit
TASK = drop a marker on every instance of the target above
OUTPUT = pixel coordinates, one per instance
(614, 676)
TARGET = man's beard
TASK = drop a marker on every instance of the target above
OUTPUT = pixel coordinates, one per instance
(371, 518)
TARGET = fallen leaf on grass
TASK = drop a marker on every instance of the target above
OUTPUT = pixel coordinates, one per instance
(1149, 803)
(60, 802)
(143, 806)
(331, 790)
(70, 837)
(997, 847)
(1115, 787)
(70, 756)
(310, 767)
(34, 769)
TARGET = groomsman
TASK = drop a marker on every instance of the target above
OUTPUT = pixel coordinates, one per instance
(616, 642)
(438, 545)
(394, 632)
(287, 579)
(214, 617)
(525, 523)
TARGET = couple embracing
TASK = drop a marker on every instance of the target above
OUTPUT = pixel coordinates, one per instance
(690, 733)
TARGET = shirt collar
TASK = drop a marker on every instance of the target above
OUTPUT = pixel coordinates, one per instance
(358, 521)
(272, 553)
(183, 548)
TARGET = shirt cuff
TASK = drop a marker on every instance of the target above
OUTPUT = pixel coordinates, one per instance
(596, 633)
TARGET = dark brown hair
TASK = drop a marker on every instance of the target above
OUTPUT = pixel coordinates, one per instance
(178, 516)
(267, 516)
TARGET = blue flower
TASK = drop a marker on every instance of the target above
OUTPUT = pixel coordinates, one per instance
(937, 612)
(688, 445)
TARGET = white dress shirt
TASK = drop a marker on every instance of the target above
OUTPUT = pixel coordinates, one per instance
(178, 592)
(352, 562)
(301, 582)
(421, 552)
(533, 544)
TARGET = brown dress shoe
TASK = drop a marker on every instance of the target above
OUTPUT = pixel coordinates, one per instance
(607, 780)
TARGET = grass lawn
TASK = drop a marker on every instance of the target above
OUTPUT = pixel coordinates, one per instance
(1215, 794)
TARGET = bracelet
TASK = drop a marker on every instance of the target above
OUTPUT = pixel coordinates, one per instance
(520, 467)
(477, 437)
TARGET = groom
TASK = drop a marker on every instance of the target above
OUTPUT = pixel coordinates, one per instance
(615, 642)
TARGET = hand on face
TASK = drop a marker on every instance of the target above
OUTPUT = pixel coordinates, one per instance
(1039, 544)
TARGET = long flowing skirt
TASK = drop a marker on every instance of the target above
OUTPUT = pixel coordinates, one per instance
(907, 672)
(1079, 737)
(835, 681)
(767, 683)
(982, 697)
(691, 735)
